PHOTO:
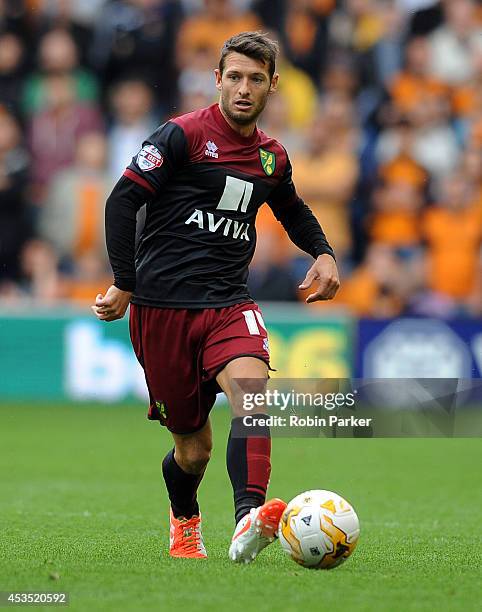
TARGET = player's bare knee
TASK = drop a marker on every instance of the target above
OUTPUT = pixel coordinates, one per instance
(243, 392)
(196, 464)
(193, 459)
(242, 379)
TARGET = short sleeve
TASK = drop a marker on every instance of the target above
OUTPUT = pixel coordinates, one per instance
(160, 156)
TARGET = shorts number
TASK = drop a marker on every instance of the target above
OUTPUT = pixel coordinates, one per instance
(253, 321)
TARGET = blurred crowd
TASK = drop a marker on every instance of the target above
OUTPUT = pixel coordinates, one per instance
(379, 106)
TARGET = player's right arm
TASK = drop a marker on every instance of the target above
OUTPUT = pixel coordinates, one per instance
(143, 180)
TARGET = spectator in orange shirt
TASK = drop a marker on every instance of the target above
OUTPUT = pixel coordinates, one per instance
(327, 170)
(415, 85)
(395, 220)
(453, 231)
(379, 287)
(398, 200)
(207, 30)
(402, 167)
(72, 218)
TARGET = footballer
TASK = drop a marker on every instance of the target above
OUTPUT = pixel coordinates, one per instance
(193, 325)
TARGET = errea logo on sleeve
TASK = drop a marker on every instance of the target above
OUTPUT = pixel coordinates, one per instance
(149, 158)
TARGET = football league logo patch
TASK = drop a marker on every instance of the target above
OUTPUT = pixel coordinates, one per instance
(268, 161)
(149, 158)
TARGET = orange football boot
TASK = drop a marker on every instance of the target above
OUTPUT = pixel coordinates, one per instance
(186, 538)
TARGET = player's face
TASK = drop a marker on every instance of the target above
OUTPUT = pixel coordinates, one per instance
(245, 86)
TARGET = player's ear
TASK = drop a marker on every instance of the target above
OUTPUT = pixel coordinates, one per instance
(218, 76)
(274, 83)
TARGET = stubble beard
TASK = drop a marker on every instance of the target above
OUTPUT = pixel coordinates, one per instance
(239, 117)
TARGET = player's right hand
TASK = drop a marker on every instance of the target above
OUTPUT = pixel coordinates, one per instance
(112, 305)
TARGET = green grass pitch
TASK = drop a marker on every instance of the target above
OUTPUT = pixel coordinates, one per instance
(83, 510)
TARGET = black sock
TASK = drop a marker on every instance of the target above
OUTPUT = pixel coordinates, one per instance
(249, 466)
(181, 487)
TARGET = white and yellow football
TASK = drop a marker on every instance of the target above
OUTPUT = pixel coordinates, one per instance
(319, 529)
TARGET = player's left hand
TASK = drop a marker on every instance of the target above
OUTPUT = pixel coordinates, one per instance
(112, 305)
(325, 271)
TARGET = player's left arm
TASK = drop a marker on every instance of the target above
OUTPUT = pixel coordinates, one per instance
(306, 233)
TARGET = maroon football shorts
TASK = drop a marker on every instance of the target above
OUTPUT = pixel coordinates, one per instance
(182, 351)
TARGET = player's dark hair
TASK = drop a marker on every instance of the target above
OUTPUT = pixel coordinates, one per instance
(255, 45)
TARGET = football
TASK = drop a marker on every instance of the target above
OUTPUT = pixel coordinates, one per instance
(319, 529)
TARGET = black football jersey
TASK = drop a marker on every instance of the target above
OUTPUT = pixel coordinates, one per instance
(203, 184)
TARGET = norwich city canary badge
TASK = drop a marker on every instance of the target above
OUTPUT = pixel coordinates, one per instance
(268, 161)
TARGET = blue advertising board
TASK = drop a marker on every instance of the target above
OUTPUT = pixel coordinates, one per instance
(419, 348)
